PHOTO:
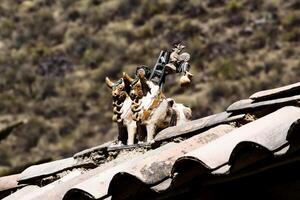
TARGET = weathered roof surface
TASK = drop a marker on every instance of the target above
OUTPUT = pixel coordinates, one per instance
(92, 150)
(269, 98)
(235, 147)
(8, 182)
(277, 92)
(22, 193)
(152, 167)
(59, 188)
(47, 169)
(249, 104)
(196, 125)
(261, 132)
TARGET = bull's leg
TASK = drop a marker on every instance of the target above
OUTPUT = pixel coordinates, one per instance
(122, 137)
(131, 129)
(150, 132)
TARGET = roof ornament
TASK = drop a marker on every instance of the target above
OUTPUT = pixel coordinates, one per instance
(179, 64)
(139, 106)
(170, 63)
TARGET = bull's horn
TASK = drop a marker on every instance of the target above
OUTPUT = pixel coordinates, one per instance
(108, 82)
(145, 86)
(126, 77)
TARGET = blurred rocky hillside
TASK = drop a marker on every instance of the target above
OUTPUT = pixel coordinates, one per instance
(55, 54)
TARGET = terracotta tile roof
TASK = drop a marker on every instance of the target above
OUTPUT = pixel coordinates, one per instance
(216, 157)
(277, 92)
(8, 182)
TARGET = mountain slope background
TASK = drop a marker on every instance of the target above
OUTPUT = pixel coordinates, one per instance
(55, 55)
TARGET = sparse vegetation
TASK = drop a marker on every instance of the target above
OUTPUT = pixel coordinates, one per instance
(233, 6)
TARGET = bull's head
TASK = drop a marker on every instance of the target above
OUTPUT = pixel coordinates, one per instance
(120, 91)
(121, 88)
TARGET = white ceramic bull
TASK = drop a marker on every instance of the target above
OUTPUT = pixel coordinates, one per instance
(152, 109)
(122, 107)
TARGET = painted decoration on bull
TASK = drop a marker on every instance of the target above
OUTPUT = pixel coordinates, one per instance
(139, 106)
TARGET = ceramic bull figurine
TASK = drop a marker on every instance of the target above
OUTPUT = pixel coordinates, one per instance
(152, 109)
(122, 114)
(178, 63)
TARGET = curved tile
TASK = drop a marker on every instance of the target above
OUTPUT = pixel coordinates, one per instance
(282, 151)
(247, 153)
(192, 126)
(46, 169)
(23, 193)
(49, 190)
(239, 105)
(188, 163)
(186, 169)
(74, 194)
(9, 182)
(164, 185)
(221, 170)
(269, 131)
(263, 169)
(126, 186)
(293, 136)
(276, 92)
(59, 188)
(153, 166)
(147, 171)
(249, 104)
(87, 152)
(50, 168)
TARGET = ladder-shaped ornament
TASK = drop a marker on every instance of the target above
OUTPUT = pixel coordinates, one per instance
(158, 73)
